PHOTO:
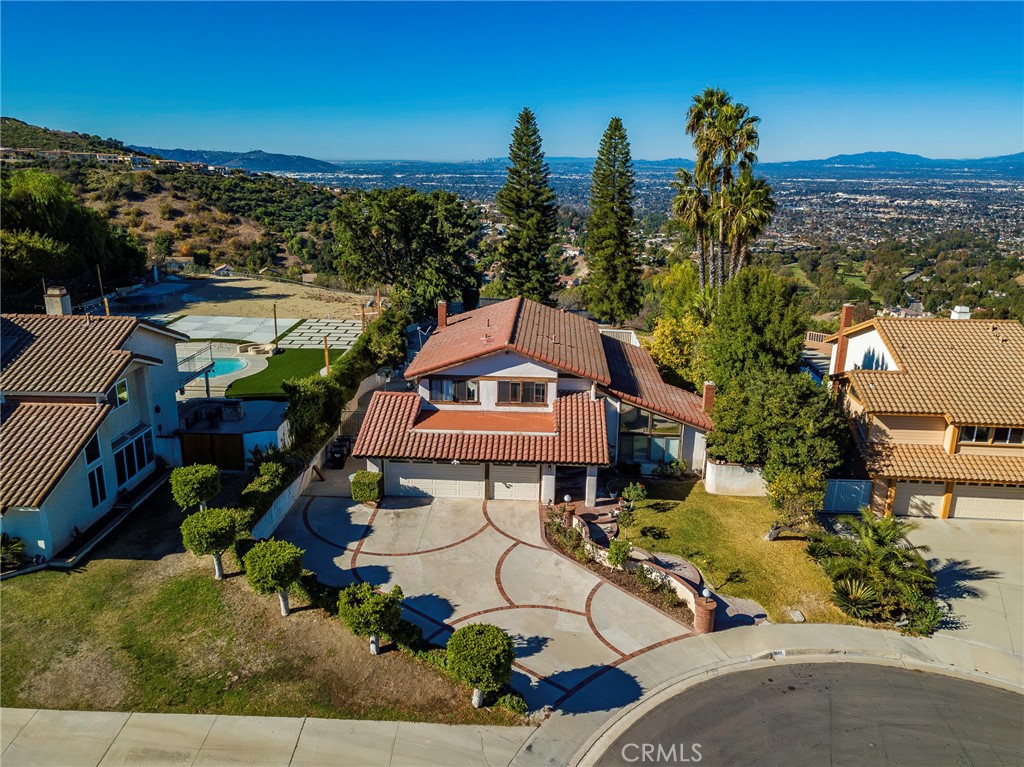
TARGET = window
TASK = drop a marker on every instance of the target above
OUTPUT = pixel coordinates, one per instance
(522, 393)
(97, 486)
(992, 435)
(92, 450)
(118, 395)
(646, 437)
(451, 390)
(133, 453)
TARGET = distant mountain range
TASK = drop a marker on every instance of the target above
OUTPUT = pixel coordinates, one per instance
(255, 160)
(900, 161)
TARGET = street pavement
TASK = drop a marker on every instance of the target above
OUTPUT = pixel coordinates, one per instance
(829, 713)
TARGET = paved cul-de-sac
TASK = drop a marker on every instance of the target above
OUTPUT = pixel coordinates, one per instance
(463, 561)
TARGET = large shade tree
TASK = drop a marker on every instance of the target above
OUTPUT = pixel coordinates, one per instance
(415, 242)
(529, 203)
(612, 245)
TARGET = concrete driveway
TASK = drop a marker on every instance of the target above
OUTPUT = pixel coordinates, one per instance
(462, 561)
(979, 567)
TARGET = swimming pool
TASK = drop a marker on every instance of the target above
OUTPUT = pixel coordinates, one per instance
(222, 366)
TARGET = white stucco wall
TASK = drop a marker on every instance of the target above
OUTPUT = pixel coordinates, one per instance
(865, 350)
(162, 411)
(733, 479)
(506, 365)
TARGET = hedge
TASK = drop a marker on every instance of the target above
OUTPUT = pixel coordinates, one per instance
(260, 494)
(367, 486)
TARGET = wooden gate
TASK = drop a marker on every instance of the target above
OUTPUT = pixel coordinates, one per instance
(222, 450)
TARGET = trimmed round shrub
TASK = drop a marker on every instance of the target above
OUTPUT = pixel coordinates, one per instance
(272, 567)
(195, 485)
(368, 612)
(209, 532)
(618, 552)
(481, 655)
(367, 487)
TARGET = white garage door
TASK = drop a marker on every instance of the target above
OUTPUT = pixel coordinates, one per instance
(988, 502)
(515, 483)
(918, 499)
(440, 480)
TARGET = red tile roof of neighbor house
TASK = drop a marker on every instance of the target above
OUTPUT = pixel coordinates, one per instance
(389, 431)
(66, 354)
(38, 443)
(969, 370)
(636, 379)
(563, 340)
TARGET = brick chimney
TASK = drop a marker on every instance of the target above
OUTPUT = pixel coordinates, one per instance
(708, 398)
(57, 301)
(442, 314)
(845, 321)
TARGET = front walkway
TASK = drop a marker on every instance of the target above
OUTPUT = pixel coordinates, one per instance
(461, 561)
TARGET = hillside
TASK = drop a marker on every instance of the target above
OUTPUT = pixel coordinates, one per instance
(256, 160)
(16, 134)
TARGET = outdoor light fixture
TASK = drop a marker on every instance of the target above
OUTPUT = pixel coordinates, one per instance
(567, 498)
(705, 593)
(455, 462)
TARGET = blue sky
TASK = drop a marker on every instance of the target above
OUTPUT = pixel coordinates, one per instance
(445, 81)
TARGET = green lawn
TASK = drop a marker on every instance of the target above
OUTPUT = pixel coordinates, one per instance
(143, 626)
(722, 535)
(290, 363)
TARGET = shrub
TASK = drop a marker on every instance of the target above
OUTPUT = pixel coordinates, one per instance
(191, 485)
(210, 531)
(924, 616)
(367, 487)
(634, 493)
(481, 656)
(513, 702)
(644, 580)
(12, 551)
(618, 552)
(260, 494)
(407, 635)
(368, 612)
(855, 598)
(318, 594)
(273, 566)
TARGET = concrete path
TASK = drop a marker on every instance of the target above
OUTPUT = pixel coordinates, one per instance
(979, 568)
(109, 739)
(462, 561)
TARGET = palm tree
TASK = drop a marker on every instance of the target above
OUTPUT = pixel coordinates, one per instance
(733, 139)
(750, 208)
(701, 118)
(691, 208)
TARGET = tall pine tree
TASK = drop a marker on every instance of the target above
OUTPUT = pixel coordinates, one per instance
(528, 202)
(613, 287)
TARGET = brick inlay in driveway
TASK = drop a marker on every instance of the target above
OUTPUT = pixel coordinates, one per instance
(463, 561)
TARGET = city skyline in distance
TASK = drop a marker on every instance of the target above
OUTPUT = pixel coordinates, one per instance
(429, 81)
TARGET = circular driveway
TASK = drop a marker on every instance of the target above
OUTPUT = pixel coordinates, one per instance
(829, 714)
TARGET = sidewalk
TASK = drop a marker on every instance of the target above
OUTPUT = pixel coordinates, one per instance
(88, 738)
(576, 733)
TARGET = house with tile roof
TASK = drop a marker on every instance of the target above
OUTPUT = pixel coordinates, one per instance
(88, 404)
(936, 409)
(508, 393)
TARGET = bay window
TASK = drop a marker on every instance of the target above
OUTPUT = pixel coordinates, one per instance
(646, 437)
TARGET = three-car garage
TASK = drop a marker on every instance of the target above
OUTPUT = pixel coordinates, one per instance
(517, 482)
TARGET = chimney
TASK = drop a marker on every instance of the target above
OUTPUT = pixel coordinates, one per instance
(960, 313)
(708, 399)
(442, 314)
(57, 301)
(845, 321)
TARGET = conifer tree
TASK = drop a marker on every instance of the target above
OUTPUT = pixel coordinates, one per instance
(613, 287)
(528, 202)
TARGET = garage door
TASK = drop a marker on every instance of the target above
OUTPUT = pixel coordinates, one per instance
(918, 499)
(988, 502)
(440, 480)
(515, 483)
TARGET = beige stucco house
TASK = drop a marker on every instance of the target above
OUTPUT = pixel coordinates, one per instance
(936, 409)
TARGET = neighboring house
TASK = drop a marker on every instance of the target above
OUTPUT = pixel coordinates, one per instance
(507, 393)
(88, 404)
(225, 432)
(937, 411)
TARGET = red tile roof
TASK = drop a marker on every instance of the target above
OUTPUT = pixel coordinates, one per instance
(38, 443)
(636, 380)
(563, 340)
(389, 431)
(66, 354)
(932, 462)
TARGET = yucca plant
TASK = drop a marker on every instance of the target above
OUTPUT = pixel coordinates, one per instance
(855, 598)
